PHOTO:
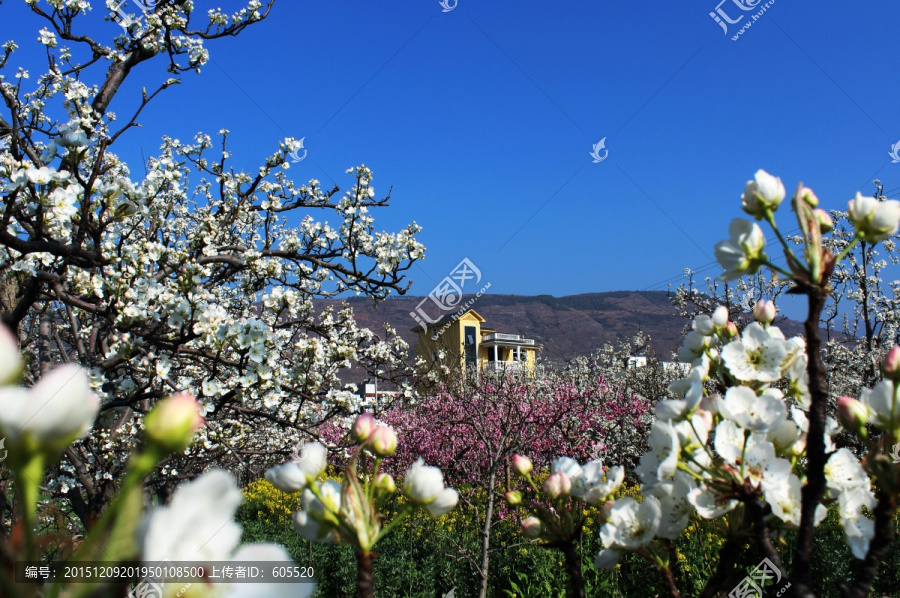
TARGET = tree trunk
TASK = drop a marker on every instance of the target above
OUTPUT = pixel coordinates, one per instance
(486, 536)
(573, 568)
(365, 577)
(815, 444)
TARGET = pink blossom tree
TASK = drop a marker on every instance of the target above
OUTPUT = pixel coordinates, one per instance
(472, 429)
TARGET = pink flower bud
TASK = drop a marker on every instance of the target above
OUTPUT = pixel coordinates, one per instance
(558, 484)
(892, 364)
(522, 465)
(384, 441)
(807, 195)
(513, 497)
(363, 427)
(171, 425)
(853, 415)
(731, 330)
(531, 527)
(764, 312)
(826, 224)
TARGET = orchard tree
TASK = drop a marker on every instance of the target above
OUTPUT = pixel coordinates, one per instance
(471, 430)
(193, 277)
(746, 438)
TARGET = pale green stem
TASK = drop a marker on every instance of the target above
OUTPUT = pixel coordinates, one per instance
(847, 249)
(400, 517)
(779, 269)
(29, 483)
(770, 218)
(705, 447)
(140, 466)
(743, 453)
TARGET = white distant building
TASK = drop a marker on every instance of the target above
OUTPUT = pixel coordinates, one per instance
(639, 361)
(371, 395)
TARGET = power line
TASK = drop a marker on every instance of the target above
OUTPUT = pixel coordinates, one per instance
(707, 266)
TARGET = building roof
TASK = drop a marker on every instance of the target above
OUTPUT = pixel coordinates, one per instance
(449, 317)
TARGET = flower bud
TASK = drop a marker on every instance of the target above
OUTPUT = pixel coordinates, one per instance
(171, 425)
(11, 364)
(384, 441)
(513, 497)
(385, 483)
(531, 527)
(522, 465)
(731, 330)
(807, 195)
(720, 316)
(558, 484)
(826, 224)
(363, 427)
(764, 312)
(798, 448)
(892, 364)
(703, 324)
(853, 415)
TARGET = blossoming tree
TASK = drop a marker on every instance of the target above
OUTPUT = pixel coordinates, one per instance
(749, 439)
(194, 276)
(472, 429)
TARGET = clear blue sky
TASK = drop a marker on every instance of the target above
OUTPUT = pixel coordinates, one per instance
(482, 120)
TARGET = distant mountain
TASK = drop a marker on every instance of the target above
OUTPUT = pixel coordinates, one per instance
(565, 327)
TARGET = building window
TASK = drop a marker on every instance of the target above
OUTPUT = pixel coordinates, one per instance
(471, 346)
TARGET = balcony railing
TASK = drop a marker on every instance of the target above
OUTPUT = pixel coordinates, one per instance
(501, 337)
(505, 366)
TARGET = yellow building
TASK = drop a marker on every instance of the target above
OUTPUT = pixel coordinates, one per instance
(465, 341)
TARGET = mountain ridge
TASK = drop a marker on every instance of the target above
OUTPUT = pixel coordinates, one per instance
(565, 327)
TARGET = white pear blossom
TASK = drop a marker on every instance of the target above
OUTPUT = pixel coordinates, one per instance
(883, 402)
(843, 471)
(607, 558)
(744, 252)
(709, 505)
(751, 411)
(757, 356)
(764, 192)
(874, 220)
(592, 486)
(662, 459)
(674, 505)
(197, 526)
(424, 485)
(58, 410)
(297, 474)
(631, 524)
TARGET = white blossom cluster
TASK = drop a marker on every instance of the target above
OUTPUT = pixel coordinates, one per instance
(712, 451)
(192, 277)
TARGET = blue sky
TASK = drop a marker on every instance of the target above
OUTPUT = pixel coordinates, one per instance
(482, 119)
